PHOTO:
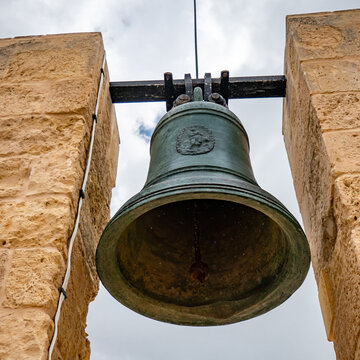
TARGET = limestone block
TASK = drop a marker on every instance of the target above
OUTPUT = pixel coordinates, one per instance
(81, 290)
(343, 148)
(48, 90)
(347, 205)
(345, 271)
(5, 52)
(28, 99)
(4, 260)
(61, 96)
(320, 36)
(296, 110)
(36, 222)
(34, 278)
(53, 57)
(93, 220)
(337, 111)
(37, 135)
(326, 76)
(322, 141)
(309, 160)
(72, 96)
(25, 334)
(56, 172)
(327, 302)
(83, 283)
(68, 348)
(14, 173)
(95, 214)
(107, 139)
(113, 149)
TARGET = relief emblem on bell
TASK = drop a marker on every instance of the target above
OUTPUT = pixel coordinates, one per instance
(195, 140)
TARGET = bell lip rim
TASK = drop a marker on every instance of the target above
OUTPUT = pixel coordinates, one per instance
(139, 302)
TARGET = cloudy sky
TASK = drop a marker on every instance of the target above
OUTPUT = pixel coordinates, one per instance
(144, 39)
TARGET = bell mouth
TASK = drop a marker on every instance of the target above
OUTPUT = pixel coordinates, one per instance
(244, 250)
(256, 257)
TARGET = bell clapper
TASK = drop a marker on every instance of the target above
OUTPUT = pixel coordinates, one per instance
(199, 271)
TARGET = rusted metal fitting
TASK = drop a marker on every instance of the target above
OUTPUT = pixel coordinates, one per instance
(181, 99)
(217, 98)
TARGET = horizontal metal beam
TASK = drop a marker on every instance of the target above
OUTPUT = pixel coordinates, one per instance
(238, 88)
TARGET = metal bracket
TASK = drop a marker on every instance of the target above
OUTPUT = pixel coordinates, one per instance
(207, 86)
(169, 90)
(189, 91)
(62, 291)
(224, 85)
(189, 87)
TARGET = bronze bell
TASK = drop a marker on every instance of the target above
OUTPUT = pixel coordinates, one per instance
(202, 244)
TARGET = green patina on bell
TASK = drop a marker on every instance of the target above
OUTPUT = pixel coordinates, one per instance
(202, 244)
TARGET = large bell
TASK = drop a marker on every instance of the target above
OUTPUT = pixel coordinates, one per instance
(202, 244)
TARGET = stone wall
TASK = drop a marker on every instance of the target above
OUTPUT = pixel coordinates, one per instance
(48, 90)
(321, 127)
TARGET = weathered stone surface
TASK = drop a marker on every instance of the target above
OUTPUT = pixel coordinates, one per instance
(48, 90)
(83, 284)
(337, 111)
(101, 179)
(4, 59)
(57, 172)
(37, 135)
(68, 348)
(60, 96)
(327, 302)
(14, 173)
(345, 271)
(347, 206)
(52, 57)
(357, 352)
(327, 36)
(34, 278)
(327, 76)
(321, 131)
(343, 148)
(308, 159)
(25, 334)
(107, 130)
(28, 99)
(299, 121)
(72, 96)
(39, 222)
(4, 264)
(81, 290)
